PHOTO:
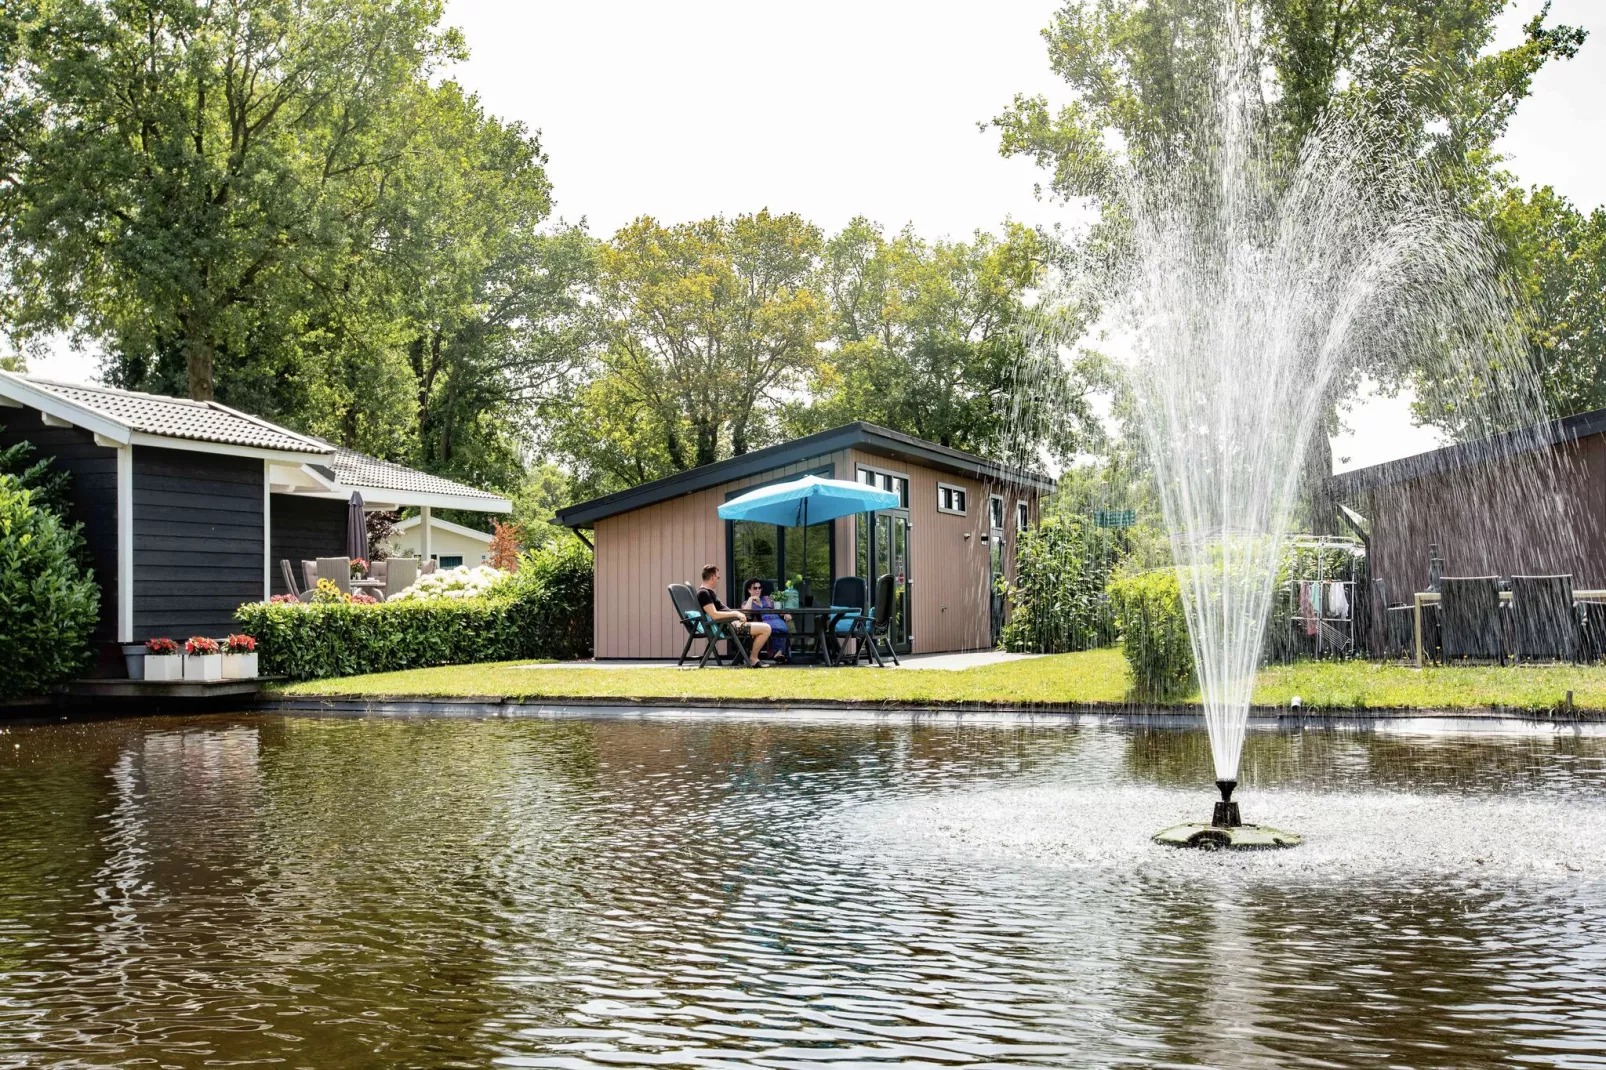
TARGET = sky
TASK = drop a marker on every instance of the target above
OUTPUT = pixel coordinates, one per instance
(840, 108)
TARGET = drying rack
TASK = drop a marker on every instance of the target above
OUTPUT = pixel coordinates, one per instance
(1333, 632)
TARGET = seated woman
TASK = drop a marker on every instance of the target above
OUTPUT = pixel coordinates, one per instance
(779, 647)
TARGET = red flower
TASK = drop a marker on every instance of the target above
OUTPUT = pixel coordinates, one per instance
(197, 645)
(239, 644)
(160, 647)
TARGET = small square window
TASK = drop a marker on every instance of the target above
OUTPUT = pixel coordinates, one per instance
(951, 499)
(1023, 517)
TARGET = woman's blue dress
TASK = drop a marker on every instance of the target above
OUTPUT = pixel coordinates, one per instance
(779, 644)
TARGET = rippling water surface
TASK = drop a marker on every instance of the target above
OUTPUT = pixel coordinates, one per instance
(266, 891)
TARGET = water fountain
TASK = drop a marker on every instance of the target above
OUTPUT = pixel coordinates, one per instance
(1259, 288)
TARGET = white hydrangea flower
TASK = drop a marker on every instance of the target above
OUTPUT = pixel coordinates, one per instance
(459, 582)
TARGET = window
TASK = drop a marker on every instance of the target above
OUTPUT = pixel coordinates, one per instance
(951, 499)
(874, 477)
(1023, 517)
(449, 560)
(995, 512)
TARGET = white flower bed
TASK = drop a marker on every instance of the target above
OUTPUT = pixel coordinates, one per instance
(459, 582)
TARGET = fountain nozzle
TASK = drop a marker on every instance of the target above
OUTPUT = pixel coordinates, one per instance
(1226, 815)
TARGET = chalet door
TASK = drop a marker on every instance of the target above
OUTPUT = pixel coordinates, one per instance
(889, 553)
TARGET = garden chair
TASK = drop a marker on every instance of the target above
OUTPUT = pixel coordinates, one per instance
(1469, 618)
(428, 567)
(378, 570)
(1544, 622)
(850, 594)
(289, 574)
(400, 574)
(873, 632)
(309, 572)
(337, 569)
(1593, 618)
(699, 626)
(1399, 623)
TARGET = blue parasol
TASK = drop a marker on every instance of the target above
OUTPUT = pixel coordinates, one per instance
(798, 503)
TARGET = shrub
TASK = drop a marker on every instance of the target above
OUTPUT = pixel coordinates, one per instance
(1061, 570)
(460, 582)
(1154, 632)
(48, 603)
(544, 610)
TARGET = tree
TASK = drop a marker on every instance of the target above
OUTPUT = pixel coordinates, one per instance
(207, 168)
(706, 325)
(942, 340)
(1557, 254)
(1141, 73)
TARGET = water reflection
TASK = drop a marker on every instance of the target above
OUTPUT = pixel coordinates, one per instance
(332, 893)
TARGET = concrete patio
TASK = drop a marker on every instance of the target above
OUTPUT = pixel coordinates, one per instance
(970, 659)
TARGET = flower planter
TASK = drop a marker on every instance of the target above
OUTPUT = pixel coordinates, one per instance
(203, 667)
(134, 660)
(164, 667)
(240, 666)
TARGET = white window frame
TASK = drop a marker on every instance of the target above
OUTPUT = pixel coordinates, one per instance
(999, 513)
(1023, 517)
(957, 489)
(858, 477)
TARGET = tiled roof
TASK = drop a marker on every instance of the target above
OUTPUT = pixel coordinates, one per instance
(359, 470)
(200, 421)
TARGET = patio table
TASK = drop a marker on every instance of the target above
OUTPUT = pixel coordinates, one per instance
(1427, 598)
(822, 623)
(378, 585)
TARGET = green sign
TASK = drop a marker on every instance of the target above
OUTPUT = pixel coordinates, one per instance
(1114, 518)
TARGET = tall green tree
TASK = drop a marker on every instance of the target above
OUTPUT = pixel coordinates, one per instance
(203, 166)
(1557, 254)
(1141, 72)
(943, 340)
(706, 326)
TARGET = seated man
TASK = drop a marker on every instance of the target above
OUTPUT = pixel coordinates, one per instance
(740, 626)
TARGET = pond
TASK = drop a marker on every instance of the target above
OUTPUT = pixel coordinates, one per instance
(729, 890)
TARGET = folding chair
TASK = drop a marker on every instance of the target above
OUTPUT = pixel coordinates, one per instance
(699, 625)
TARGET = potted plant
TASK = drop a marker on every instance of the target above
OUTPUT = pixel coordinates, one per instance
(239, 658)
(162, 661)
(202, 660)
(359, 567)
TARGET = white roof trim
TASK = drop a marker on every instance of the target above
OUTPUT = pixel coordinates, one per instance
(98, 423)
(195, 445)
(389, 498)
(445, 525)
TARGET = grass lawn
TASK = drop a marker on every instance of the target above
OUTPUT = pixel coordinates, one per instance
(1095, 676)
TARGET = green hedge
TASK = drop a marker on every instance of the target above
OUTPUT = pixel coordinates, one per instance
(542, 611)
(1059, 604)
(1154, 632)
(48, 604)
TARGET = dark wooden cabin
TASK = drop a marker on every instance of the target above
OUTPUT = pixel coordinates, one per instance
(187, 506)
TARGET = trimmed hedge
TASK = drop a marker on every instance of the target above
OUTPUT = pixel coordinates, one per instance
(48, 604)
(542, 611)
(1154, 632)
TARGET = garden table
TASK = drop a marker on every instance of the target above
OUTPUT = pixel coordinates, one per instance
(374, 585)
(1428, 598)
(823, 620)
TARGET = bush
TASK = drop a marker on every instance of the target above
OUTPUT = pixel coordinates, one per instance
(1061, 570)
(48, 603)
(543, 610)
(1154, 632)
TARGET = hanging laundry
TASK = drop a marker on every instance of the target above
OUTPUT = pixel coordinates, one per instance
(1337, 601)
(1307, 606)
